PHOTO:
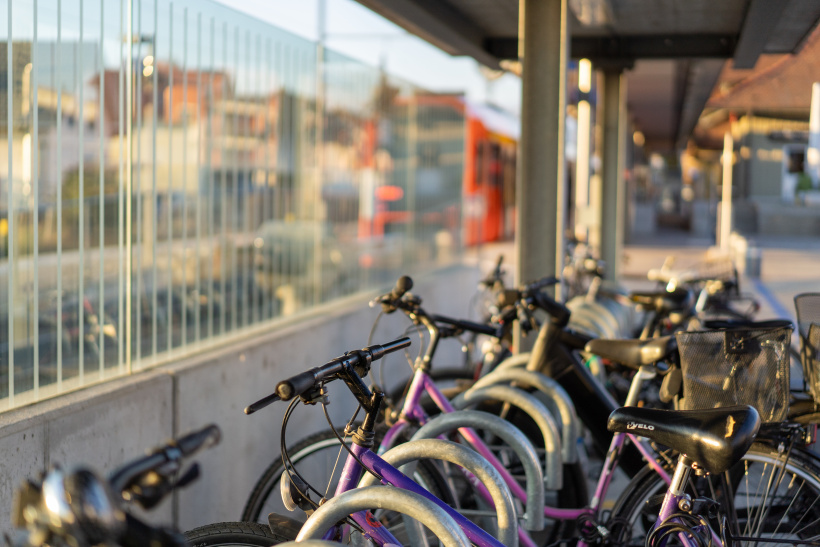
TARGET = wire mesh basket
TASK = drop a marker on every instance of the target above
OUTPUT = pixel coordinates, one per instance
(807, 306)
(741, 366)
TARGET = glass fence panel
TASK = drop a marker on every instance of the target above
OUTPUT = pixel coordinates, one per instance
(177, 173)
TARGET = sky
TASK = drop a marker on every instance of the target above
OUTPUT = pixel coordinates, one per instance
(355, 31)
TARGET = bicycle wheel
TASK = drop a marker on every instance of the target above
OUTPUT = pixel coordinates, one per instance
(225, 534)
(320, 458)
(773, 497)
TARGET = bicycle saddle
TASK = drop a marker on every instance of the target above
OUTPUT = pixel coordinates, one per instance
(633, 353)
(716, 438)
(663, 301)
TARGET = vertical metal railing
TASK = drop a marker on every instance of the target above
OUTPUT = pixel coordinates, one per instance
(208, 242)
(10, 136)
(35, 183)
(81, 199)
(169, 305)
(152, 225)
(101, 295)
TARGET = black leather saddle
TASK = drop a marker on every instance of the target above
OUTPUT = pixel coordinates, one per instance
(716, 439)
(664, 301)
(633, 353)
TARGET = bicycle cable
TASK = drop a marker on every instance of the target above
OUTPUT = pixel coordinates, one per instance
(290, 467)
(344, 444)
(291, 470)
(696, 527)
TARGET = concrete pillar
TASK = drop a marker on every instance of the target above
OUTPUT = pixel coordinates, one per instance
(725, 214)
(541, 182)
(614, 187)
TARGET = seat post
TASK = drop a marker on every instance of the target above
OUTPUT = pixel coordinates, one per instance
(646, 372)
(676, 491)
(678, 485)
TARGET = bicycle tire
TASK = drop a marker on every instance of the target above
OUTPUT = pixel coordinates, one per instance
(770, 499)
(240, 534)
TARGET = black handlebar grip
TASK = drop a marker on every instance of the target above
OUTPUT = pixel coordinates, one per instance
(193, 442)
(469, 326)
(295, 385)
(403, 284)
(379, 351)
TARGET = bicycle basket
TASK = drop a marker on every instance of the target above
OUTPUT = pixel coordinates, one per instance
(807, 306)
(744, 366)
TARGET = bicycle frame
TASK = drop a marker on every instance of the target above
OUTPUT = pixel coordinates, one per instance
(352, 473)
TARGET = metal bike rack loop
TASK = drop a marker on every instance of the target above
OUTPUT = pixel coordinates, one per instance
(466, 457)
(552, 395)
(512, 436)
(553, 466)
(519, 360)
(384, 497)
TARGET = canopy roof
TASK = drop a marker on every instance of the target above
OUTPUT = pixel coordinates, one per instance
(675, 48)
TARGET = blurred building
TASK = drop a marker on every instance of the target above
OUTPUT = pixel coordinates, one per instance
(766, 110)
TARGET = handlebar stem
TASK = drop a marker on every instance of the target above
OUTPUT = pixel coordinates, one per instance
(359, 389)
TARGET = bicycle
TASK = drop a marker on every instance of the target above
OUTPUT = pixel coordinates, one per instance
(76, 507)
(774, 490)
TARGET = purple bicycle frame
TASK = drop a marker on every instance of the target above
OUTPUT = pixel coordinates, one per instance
(670, 507)
(374, 530)
(412, 410)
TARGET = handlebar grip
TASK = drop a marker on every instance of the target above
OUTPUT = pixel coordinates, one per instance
(403, 284)
(469, 326)
(126, 475)
(193, 442)
(296, 385)
(379, 351)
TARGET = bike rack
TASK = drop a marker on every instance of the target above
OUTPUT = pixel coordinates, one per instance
(512, 436)
(519, 360)
(553, 395)
(553, 466)
(384, 497)
(438, 449)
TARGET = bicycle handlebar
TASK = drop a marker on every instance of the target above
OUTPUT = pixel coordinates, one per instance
(391, 301)
(560, 313)
(304, 381)
(493, 276)
(542, 283)
(172, 452)
(469, 326)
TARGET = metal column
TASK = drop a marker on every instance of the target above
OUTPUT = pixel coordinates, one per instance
(540, 186)
(614, 187)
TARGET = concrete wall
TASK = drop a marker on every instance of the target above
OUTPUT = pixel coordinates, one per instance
(106, 425)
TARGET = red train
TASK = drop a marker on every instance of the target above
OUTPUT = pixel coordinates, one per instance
(465, 157)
